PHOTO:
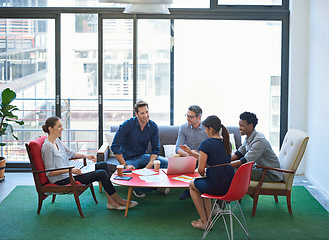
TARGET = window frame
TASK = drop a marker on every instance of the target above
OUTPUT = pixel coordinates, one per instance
(216, 12)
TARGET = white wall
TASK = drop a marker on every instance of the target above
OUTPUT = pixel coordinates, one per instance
(298, 84)
(310, 71)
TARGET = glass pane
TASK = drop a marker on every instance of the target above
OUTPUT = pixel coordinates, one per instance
(27, 66)
(15, 3)
(79, 89)
(153, 82)
(190, 4)
(59, 3)
(118, 71)
(228, 71)
(250, 2)
(96, 3)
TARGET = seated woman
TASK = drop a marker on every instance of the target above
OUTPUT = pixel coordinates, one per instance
(56, 155)
(216, 153)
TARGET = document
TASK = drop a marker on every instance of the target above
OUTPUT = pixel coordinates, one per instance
(184, 178)
(90, 167)
(152, 178)
(145, 172)
(76, 164)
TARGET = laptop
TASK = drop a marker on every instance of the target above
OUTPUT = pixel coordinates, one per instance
(180, 165)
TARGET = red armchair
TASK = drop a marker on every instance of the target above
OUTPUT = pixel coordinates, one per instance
(44, 187)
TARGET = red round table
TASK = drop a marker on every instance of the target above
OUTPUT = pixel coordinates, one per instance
(167, 181)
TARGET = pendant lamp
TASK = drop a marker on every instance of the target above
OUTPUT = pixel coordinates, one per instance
(143, 6)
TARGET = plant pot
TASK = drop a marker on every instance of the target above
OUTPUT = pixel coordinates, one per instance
(2, 168)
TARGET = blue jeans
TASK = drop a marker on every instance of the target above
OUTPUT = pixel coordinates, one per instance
(141, 162)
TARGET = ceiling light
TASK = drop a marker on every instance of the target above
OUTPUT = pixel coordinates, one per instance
(139, 1)
(147, 9)
(144, 6)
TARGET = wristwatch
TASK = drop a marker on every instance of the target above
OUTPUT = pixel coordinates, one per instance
(125, 165)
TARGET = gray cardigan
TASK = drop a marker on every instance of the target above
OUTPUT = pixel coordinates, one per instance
(53, 158)
(257, 148)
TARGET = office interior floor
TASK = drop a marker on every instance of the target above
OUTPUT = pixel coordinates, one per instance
(14, 179)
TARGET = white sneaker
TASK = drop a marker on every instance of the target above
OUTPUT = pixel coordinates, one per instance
(139, 194)
(164, 191)
(220, 206)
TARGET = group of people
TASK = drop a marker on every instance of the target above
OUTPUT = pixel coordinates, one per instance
(206, 140)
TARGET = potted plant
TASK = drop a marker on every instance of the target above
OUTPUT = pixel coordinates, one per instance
(6, 117)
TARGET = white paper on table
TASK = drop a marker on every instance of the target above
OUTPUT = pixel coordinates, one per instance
(145, 172)
(184, 178)
(151, 178)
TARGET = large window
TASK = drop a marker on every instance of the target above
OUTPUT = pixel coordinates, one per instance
(79, 88)
(27, 66)
(89, 63)
(117, 71)
(153, 81)
(227, 68)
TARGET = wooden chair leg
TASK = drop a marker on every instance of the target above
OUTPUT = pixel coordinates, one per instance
(100, 185)
(54, 196)
(77, 200)
(40, 201)
(276, 198)
(93, 192)
(289, 202)
(254, 205)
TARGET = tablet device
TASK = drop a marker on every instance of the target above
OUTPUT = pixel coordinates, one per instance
(122, 178)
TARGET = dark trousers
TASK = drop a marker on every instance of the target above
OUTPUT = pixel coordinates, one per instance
(101, 174)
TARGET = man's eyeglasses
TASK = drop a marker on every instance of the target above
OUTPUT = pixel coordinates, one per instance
(189, 117)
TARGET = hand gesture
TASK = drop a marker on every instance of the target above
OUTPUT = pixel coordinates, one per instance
(76, 171)
(186, 149)
(92, 158)
(130, 167)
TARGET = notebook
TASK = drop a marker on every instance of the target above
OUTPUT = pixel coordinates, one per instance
(84, 169)
(76, 164)
(181, 165)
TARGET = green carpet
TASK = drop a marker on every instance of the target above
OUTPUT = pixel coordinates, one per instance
(156, 217)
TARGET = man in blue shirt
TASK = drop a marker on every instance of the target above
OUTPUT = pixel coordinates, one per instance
(190, 134)
(131, 141)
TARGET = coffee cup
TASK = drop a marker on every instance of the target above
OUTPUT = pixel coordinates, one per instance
(120, 170)
(156, 165)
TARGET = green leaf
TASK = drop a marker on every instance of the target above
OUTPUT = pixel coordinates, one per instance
(19, 122)
(3, 130)
(7, 115)
(8, 96)
(14, 136)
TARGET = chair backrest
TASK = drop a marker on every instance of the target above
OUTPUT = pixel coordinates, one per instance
(168, 136)
(34, 152)
(292, 151)
(240, 183)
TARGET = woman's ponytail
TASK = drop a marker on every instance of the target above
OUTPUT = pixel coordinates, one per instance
(226, 137)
